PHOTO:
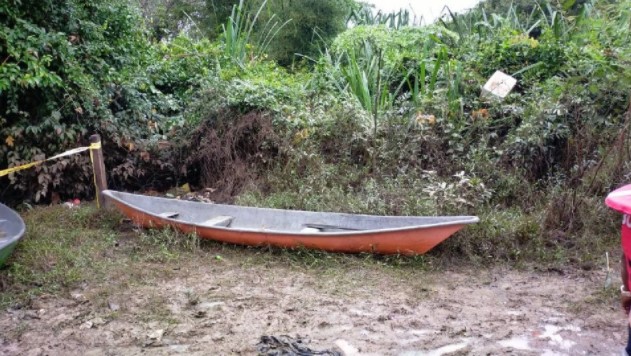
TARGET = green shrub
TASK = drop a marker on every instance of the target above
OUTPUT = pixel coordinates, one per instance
(73, 68)
(67, 70)
(529, 60)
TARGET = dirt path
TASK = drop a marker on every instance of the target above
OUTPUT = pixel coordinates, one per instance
(223, 307)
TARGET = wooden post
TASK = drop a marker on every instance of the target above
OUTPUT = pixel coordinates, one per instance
(98, 165)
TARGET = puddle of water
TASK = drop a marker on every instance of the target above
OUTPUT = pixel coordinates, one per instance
(347, 348)
(179, 348)
(412, 332)
(517, 342)
(419, 332)
(411, 336)
(514, 313)
(552, 332)
(209, 305)
(358, 312)
(441, 350)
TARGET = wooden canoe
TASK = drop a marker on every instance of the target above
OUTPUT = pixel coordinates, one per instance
(11, 231)
(334, 232)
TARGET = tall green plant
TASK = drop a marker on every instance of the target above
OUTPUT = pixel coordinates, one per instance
(237, 34)
(314, 25)
(365, 15)
(541, 15)
(424, 82)
(368, 80)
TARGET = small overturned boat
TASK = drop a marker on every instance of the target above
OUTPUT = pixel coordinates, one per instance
(333, 232)
(11, 231)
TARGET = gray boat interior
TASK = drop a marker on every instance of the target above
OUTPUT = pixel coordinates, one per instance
(11, 226)
(276, 220)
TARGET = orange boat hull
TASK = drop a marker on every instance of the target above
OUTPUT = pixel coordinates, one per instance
(411, 241)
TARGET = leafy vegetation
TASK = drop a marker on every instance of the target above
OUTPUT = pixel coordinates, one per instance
(384, 117)
(310, 25)
(70, 68)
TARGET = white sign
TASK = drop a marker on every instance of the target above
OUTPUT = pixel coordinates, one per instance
(500, 85)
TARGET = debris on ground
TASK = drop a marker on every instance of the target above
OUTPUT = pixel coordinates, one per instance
(184, 193)
(285, 345)
(202, 196)
(74, 203)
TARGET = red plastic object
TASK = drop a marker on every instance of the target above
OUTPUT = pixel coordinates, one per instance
(620, 199)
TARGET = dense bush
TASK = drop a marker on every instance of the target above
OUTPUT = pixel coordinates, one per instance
(387, 120)
(530, 60)
(73, 68)
(68, 68)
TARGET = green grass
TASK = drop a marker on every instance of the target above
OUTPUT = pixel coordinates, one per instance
(60, 245)
(65, 249)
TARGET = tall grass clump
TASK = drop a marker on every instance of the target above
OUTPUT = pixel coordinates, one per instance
(237, 33)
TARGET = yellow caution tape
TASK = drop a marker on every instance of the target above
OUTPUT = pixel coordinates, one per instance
(94, 146)
(4, 172)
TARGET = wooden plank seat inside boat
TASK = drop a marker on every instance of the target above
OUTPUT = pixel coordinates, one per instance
(217, 221)
(315, 228)
(221, 220)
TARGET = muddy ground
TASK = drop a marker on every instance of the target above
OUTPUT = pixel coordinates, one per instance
(222, 306)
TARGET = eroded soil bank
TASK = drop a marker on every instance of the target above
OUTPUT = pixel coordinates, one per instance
(225, 305)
